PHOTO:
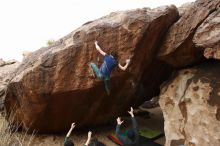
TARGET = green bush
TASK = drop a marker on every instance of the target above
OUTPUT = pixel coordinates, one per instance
(50, 42)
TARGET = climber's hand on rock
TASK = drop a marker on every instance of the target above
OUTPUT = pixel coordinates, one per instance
(96, 43)
(128, 61)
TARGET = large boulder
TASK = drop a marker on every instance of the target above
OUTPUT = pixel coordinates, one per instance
(178, 48)
(6, 69)
(190, 102)
(52, 88)
(208, 35)
(3, 87)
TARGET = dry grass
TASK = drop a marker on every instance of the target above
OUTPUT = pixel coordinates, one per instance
(9, 135)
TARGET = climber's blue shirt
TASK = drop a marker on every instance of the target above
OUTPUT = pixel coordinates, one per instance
(108, 65)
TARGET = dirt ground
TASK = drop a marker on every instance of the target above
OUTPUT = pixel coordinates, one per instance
(155, 121)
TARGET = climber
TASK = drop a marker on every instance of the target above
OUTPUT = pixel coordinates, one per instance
(67, 141)
(132, 137)
(110, 62)
(93, 142)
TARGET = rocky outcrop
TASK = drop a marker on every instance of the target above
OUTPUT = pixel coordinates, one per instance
(3, 86)
(25, 54)
(6, 68)
(178, 48)
(190, 102)
(1, 62)
(208, 35)
(52, 88)
(184, 8)
(4, 63)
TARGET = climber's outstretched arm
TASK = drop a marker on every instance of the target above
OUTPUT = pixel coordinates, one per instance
(72, 127)
(134, 122)
(125, 66)
(99, 49)
(88, 139)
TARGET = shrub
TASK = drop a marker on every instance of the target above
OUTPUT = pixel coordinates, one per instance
(50, 42)
(9, 135)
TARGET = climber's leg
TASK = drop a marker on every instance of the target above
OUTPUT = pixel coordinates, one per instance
(96, 70)
(107, 85)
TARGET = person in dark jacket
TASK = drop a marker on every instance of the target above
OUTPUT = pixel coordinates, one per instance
(132, 137)
(109, 63)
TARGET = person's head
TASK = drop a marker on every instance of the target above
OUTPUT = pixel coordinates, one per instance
(114, 54)
(95, 142)
(68, 143)
(130, 134)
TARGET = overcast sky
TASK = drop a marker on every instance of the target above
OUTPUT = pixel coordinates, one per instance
(27, 25)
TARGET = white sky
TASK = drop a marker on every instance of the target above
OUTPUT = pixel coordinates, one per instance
(26, 25)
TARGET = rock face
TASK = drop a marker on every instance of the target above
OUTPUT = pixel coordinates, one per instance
(177, 47)
(52, 88)
(208, 35)
(3, 86)
(6, 68)
(190, 102)
(25, 54)
(184, 8)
